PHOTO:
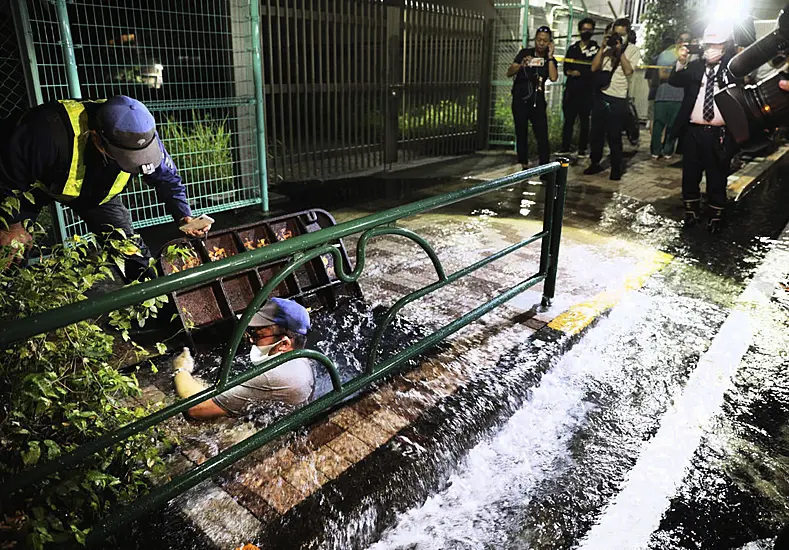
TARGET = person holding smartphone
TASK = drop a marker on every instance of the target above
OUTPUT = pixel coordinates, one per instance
(531, 69)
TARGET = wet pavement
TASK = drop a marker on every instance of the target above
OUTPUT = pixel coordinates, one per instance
(525, 432)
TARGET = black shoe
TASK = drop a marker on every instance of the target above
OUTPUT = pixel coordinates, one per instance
(593, 169)
(692, 214)
(615, 176)
(715, 220)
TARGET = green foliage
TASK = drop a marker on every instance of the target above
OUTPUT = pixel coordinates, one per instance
(503, 126)
(436, 119)
(60, 390)
(662, 17)
(201, 150)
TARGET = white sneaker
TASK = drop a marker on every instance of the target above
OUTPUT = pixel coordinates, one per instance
(668, 157)
(655, 157)
(562, 153)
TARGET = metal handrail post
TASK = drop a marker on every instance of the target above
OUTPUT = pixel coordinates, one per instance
(260, 113)
(549, 289)
(72, 77)
(547, 221)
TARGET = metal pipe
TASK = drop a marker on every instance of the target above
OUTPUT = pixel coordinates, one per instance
(28, 50)
(68, 50)
(16, 329)
(260, 117)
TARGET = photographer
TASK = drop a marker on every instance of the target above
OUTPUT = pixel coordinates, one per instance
(579, 89)
(707, 146)
(616, 60)
(531, 68)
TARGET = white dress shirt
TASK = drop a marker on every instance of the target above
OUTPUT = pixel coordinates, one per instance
(697, 115)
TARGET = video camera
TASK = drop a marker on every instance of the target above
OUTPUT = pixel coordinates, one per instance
(753, 111)
(614, 40)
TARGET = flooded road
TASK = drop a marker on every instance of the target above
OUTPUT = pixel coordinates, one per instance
(665, 427)
(645, 413)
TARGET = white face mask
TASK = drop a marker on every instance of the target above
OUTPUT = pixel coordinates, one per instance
(258, 354)
(713, 54)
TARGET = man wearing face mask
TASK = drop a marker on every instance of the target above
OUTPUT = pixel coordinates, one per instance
(617, 57)
(707, 147)
(579, 88)
(83, 154)
(278, 327)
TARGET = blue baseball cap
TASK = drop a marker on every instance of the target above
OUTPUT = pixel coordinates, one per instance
(283, 313)
(129, 132)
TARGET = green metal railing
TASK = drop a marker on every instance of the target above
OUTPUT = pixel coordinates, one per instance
(300, 250)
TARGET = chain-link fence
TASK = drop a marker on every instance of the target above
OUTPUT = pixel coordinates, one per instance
(189, 62)
(13, 92)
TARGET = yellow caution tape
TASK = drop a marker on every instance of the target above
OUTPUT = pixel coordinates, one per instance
(582, 62)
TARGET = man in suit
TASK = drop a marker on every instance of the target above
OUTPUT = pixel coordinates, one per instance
(707, 146)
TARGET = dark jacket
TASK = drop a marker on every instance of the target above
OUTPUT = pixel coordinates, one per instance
(583, 84)
(38, 146)
(690, 80)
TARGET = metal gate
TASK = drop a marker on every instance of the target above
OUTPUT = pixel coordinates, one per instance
(357, 85)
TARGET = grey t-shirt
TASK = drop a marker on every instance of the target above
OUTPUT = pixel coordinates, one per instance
(292, 383)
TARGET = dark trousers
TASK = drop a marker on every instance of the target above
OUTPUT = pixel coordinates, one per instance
(576, 105)
(608, 116)
(101, 220)
(703, 152)
(525, 111)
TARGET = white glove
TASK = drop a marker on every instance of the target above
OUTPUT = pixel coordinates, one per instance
(183, 362)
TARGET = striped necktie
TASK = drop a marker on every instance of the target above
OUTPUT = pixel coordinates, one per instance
(709, 94)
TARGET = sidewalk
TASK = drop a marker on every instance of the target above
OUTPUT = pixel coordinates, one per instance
(650, 180)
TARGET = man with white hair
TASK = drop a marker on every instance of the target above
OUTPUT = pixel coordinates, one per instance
(707, 145)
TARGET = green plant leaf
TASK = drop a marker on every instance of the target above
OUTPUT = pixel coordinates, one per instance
(32, 455)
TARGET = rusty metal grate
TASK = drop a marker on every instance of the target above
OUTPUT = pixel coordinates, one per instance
(315, 284)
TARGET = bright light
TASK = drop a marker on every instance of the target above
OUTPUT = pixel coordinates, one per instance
(733, 11)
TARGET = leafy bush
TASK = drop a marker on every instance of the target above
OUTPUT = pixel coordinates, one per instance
(202, 151)
(62, 389)
(436, 119)
(503, 126)
(663, 17)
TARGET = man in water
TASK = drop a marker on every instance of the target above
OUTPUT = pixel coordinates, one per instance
(278, 327)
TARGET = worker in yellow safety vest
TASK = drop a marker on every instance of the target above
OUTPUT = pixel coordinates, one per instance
(83, 154)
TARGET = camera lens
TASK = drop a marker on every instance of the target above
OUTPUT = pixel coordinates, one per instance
(751, 111)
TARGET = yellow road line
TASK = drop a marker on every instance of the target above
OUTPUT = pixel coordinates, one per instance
(579, 316)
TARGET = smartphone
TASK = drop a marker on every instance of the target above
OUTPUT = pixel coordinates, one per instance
(537, 62)
(200, 222)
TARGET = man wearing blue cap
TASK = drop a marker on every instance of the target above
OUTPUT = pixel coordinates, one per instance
(278, 327)
(83, 154)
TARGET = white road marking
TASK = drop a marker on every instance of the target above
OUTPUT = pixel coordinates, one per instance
(628, 522)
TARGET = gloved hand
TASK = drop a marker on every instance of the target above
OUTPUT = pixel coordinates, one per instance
(184, 362)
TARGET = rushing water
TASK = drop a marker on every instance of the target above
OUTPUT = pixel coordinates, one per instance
(546, 474)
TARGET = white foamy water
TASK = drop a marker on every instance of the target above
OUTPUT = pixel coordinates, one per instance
(500, 475)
